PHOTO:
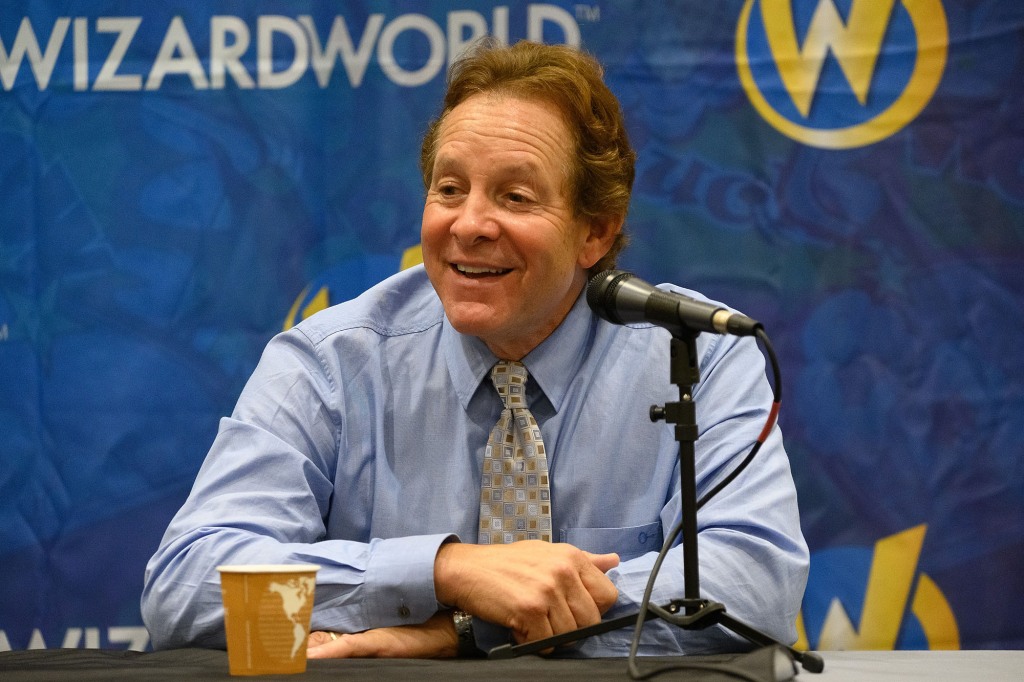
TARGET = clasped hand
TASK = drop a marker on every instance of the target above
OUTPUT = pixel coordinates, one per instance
(536, 589)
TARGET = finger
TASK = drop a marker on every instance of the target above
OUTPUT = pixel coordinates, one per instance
(569, 604)
(603, 562)
(585, 609)
(571, 611)
(574, 606)
(532, 630)
(435, 638)
(329, 645)
(601, 590)
(318, 637)
(600, 587)
(368, 644)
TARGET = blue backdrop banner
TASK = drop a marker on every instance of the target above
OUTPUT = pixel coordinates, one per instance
(181, 180)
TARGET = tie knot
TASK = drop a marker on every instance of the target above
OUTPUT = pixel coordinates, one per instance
(509, 379)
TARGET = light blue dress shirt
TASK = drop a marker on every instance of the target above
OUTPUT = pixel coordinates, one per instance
(357, 445)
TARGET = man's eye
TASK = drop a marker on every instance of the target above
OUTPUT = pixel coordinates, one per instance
(517, 198)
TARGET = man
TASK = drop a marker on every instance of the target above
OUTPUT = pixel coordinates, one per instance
(361, 441)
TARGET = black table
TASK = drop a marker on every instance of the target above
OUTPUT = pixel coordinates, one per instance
(87, 665)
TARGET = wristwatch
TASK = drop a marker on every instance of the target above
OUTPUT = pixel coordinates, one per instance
(463, 623)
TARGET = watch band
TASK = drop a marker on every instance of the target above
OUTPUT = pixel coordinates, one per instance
(463, 623)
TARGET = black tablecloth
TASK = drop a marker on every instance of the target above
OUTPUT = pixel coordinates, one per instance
(88, 665)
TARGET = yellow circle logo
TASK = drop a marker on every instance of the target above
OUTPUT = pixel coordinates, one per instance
(838, 74)
(898, 607)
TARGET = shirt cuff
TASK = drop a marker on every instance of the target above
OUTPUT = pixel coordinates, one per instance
(400, 580)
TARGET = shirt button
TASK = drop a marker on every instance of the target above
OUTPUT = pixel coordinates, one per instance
(404, 611)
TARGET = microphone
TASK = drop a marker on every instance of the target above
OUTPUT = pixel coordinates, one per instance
(621, 297)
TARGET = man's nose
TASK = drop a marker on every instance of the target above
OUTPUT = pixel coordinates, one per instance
(476, 220)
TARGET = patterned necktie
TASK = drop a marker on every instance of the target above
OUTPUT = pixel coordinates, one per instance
(515, 501)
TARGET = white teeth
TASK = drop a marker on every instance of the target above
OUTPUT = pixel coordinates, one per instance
(470, 270)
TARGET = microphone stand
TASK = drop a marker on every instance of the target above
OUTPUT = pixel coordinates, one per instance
(692, 612)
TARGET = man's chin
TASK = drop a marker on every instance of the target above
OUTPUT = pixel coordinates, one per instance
(477, 323)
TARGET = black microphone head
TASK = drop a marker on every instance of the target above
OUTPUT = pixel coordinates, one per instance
(601, 293)
(623, 298)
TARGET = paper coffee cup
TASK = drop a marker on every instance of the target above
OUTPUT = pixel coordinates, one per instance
(266, 616)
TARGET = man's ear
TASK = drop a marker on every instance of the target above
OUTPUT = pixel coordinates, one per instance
(601, 235)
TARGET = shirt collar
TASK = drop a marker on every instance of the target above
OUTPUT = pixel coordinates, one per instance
(469, 361)
(555, 362)
(552, 364)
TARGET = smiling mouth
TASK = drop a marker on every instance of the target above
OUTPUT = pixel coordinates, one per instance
(476, 273)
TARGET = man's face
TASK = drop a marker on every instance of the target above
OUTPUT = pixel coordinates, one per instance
(500, 243)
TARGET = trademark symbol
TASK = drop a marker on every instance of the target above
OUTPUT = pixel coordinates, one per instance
(588, 13)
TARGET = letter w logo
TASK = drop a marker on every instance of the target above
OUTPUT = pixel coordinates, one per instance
(855, 43)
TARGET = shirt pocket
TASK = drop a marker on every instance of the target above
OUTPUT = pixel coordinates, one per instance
(628, 543)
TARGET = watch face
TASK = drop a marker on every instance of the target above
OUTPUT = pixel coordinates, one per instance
(463, 623)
